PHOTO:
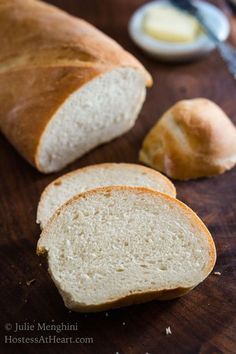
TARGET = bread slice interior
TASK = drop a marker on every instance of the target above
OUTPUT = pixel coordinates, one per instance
(115, 246)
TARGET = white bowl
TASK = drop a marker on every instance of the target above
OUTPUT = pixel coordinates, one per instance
(179, 51)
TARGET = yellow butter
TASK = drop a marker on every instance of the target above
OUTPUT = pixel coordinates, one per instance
(170, 24)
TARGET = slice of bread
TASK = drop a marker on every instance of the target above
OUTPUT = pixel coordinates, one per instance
(114, 246)
(101, 175)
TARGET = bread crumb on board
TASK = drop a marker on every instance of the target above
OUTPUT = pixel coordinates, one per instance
(29, 282)
(168, 331)
(217, 273)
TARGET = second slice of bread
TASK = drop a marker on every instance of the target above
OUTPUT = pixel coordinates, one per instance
(101, 175)
(115, 246)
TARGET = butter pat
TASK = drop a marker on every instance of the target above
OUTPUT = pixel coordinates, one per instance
(170, 24)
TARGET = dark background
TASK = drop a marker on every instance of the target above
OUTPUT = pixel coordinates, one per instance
(201, 322)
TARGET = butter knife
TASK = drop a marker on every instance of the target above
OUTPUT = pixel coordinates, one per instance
(227, 51)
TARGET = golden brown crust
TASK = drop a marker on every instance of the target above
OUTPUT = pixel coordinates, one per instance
(132, 299)
(35, 34)
(194, 138)
(45, 56)
(42, 90)
(164, 294)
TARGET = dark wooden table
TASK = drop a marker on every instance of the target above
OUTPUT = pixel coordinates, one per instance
(201, 322)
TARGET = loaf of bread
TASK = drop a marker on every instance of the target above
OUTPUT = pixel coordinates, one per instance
(193, 139)
(102, 175)
(116, 246)
(65, 87)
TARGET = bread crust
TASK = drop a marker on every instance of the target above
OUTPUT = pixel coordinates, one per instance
(193, 139)
(155, 174)
(46, 55)
(134, 298)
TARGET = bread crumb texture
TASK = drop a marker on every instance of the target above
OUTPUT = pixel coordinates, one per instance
(116, 246)
(168, 331)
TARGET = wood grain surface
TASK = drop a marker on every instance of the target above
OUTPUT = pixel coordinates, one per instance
(204, 321)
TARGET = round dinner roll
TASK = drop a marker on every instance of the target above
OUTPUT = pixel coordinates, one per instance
(193, 139)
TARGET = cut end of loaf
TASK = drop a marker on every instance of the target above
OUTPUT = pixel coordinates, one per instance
(101, 110)
(114, 246)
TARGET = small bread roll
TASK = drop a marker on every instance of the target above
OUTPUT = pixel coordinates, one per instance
(193, 139)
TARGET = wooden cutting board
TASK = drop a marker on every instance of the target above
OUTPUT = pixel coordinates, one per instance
(201, 322)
